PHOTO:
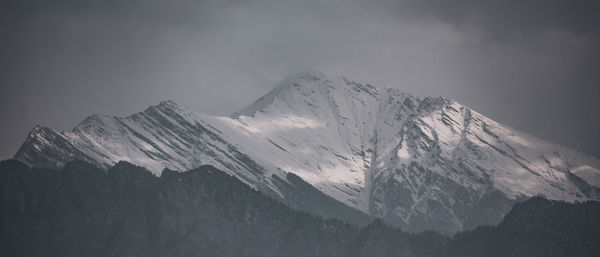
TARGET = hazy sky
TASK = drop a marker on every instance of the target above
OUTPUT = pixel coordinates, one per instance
(533, 65)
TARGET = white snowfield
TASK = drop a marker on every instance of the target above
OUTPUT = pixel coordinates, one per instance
(413, 161)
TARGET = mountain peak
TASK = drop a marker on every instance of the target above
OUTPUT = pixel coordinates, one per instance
(309, 89)
(166, 108)
(309, 75)
(38, 135)
(94, 120)
(168, 104)
(39, 129)
(304, 82)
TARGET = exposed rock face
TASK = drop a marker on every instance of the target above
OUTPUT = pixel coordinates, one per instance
(420, 163)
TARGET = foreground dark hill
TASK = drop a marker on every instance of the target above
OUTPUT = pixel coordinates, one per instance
(81, 210)
(538, 227)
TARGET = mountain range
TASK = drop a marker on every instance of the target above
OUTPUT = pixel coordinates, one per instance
(341, 149)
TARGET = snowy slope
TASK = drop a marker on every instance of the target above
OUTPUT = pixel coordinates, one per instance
(421, 163)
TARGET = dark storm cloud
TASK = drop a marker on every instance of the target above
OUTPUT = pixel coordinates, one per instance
(509, 18)
(530, 64)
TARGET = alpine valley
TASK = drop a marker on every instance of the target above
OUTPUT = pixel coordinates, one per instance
(341, 149)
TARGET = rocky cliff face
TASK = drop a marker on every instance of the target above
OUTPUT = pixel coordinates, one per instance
(420, 163)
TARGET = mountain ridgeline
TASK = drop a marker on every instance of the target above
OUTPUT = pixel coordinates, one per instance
(342, 149)
(81, 210)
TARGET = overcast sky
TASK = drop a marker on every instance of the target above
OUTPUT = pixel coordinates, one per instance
(533, 65)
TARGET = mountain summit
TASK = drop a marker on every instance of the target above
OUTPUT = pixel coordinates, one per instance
(420, 163)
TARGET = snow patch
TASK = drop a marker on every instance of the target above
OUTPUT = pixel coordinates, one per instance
(590, 174)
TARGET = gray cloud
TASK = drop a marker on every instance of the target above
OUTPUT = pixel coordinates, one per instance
(530, 64)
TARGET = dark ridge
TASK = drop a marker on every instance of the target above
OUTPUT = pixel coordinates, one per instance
(536, 227)
(82, 210)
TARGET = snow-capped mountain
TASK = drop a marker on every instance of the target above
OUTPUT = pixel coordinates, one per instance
(420, 163)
